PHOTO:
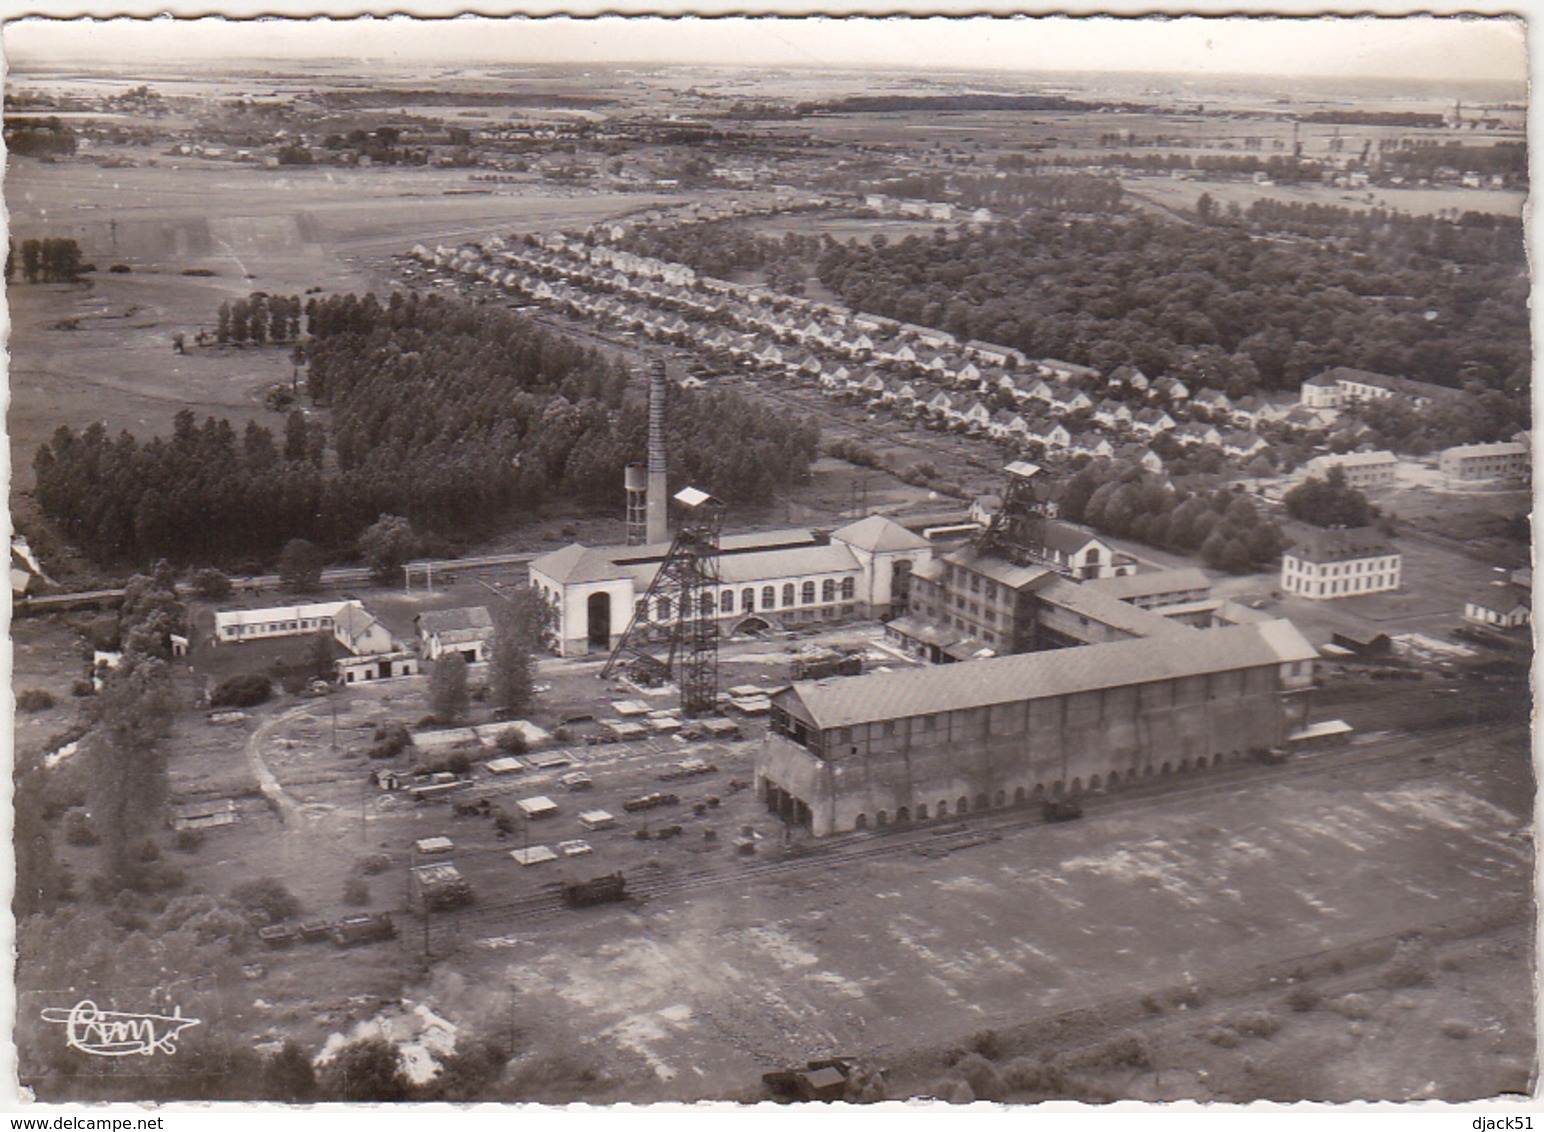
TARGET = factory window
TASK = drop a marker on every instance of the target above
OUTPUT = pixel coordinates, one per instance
(943, 808)
(807, 593)
(1018, 795)
(705, 606)
(828, 590)
(849, 588)
(747, 600)
(975, 583)
(768, 597)
(962, 806)
(663, 608)
(922, 812)
(881, 819)
(991, 591)
(788, 593)
(902, 816)
(860, 822)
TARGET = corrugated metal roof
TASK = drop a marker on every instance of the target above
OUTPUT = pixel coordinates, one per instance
(852, 700)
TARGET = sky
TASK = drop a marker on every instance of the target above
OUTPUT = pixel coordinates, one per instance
(1424, 47)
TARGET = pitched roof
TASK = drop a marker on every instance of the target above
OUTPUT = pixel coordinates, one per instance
(1503, 598)
(878, 534)
(453, 620)
(851, 700)
(1341, 545)
(999, 570)
(1153, 582)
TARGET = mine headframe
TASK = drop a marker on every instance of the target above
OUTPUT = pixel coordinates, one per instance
(674, 627)
(1017, 531)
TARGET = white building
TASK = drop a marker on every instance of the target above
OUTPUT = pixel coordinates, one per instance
(467, 631)
(769, 580)
(1343, 563)
(236, 625)
(1507, 460)
(1362, 469)
(1505, 605)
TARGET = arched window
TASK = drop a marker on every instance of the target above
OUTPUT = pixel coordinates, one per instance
(747, 600)
(787, 594)
(903, 815)
(769, 597)
(943, 808)
(860, 822)
(828, 590)
(881, 819)
(807, 593)
(962, 806)
(726, 602)
(1018, 795)
(664, 608)
(849, 588)
(705, 604)
(922, 812)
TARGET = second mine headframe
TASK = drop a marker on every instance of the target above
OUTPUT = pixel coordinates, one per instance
(1017, 531)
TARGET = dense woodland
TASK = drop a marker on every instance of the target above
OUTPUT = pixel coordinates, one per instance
(454, 416)
(1212, 303)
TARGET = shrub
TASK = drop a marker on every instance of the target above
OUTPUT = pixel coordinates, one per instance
(982, 1076)
(200, 272)
(188, 840)
(1457, 1029)
(373, 865)
(1411, 966)
(512, 742)
(246, 690)
(34, 699)
(356, 891)
(77, 829)
(82, 688)
(1302, 998)
(1257, 1023)
(459, 763)
(1128, 1051)
(989, 1044)
(426, 721)
(120, 269)
(1354, 1006)
(147, 851)
(391, 739)
(269, 896)
(211, 583)
(1026, 1075)
(1223, 1036)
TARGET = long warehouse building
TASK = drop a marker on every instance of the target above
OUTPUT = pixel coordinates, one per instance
(861, 752)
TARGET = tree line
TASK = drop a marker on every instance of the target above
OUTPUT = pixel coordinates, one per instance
(1224, 527)
(55, 259)
(259, 318)
(456, 417)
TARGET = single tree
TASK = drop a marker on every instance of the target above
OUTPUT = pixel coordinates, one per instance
(520, 629)
(319, 655)
(300, 566)
(386, 545)
(366, 1070)
(288, 1076)
(449, 696)
(211, 584)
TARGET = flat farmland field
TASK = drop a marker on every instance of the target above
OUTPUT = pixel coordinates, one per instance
(1182, 195)
(279, 231)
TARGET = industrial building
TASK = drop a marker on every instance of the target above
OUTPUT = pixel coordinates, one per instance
(864, 752)
(774, 579)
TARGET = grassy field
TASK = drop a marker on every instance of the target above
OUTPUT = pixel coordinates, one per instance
(1182, 195)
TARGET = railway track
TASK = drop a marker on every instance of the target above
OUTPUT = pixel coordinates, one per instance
(969, 831)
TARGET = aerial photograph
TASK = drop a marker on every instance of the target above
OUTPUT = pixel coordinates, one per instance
(771, 560)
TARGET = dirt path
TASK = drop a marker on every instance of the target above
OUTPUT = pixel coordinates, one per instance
(288, 809)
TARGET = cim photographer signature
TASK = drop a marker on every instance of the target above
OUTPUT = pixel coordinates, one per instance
(114, 1033)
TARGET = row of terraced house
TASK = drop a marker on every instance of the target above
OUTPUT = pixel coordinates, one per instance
(918, 371)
